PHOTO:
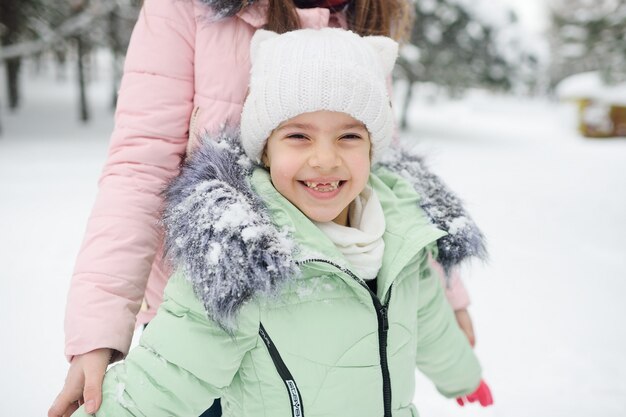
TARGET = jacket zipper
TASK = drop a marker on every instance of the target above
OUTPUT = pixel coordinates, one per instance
(382, 310)
(297, 409)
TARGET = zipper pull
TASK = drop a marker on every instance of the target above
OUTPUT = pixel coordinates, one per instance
(383, 313)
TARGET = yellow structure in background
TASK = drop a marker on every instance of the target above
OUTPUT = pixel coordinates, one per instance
(601, 107)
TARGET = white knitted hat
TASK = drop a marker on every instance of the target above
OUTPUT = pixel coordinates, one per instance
(309, 70)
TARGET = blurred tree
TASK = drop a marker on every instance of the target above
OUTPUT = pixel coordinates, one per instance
(121, 21)
(71, 28)
(14, 27)
(83, 45)
(588, 35)
(54, 15)
(460, 44)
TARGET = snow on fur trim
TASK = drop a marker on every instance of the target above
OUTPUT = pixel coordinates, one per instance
(443, 207)
(218, 232)
(226, 8)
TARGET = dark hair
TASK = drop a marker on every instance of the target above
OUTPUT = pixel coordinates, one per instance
(392, 18)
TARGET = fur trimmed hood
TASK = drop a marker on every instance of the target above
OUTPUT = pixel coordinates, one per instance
(219, 234)
(444, 209)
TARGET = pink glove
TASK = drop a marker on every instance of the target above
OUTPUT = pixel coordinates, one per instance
(482, 395)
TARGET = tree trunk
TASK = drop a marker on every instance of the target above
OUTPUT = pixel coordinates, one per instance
(115, 82)
(13, 71)
(82, 88)
(60, 56)
(117, 53)
(406, 104)
(11, 20)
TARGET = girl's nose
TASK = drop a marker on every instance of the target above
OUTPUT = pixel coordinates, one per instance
(325, 157)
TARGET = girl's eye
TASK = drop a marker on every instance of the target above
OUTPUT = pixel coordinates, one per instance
(351, 136)
(296, 136)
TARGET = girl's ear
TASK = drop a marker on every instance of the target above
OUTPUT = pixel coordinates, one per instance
(386, 49)
(259, 37)
(264, 159)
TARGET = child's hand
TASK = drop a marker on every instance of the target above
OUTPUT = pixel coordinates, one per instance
(83, 384)
(465, 323)
(482, 395)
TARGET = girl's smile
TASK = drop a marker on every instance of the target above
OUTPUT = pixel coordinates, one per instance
(323, 188)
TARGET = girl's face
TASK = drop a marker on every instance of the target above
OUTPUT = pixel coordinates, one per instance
(320, 162)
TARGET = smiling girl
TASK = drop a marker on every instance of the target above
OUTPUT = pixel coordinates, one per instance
(303, 284)
(186, 72)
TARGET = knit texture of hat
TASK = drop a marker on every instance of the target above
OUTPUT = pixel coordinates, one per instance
(309, 70)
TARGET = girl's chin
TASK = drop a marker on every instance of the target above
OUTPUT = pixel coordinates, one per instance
(325, 217)
(322, 218)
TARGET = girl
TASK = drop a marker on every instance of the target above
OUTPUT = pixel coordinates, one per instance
(186, 72)
(303, 285)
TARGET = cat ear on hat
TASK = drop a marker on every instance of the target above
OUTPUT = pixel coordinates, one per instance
(258, 38)
(386, 49)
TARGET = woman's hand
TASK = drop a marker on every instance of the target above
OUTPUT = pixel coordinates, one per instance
(83, 384)
(465, 323)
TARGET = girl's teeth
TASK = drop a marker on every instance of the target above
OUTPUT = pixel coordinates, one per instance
(318, 186)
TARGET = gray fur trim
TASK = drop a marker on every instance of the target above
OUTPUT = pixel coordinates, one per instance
(444, 208)
(226, 8)
(218, 232)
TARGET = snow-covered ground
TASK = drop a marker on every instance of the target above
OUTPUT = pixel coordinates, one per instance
(548, 308)
(549, 305)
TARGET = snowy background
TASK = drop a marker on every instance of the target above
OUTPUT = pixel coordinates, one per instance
(548, 307)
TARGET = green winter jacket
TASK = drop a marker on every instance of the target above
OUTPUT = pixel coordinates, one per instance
(321, 345)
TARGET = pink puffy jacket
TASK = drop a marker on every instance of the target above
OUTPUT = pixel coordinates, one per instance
(185, 73)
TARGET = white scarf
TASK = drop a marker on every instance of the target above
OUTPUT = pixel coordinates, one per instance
(362, 243)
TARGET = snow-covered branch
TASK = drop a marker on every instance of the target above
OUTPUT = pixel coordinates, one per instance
(49, 36)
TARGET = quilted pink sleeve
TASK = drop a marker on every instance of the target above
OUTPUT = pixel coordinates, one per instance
(455, 290)
(148, 141)
(456, 293)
